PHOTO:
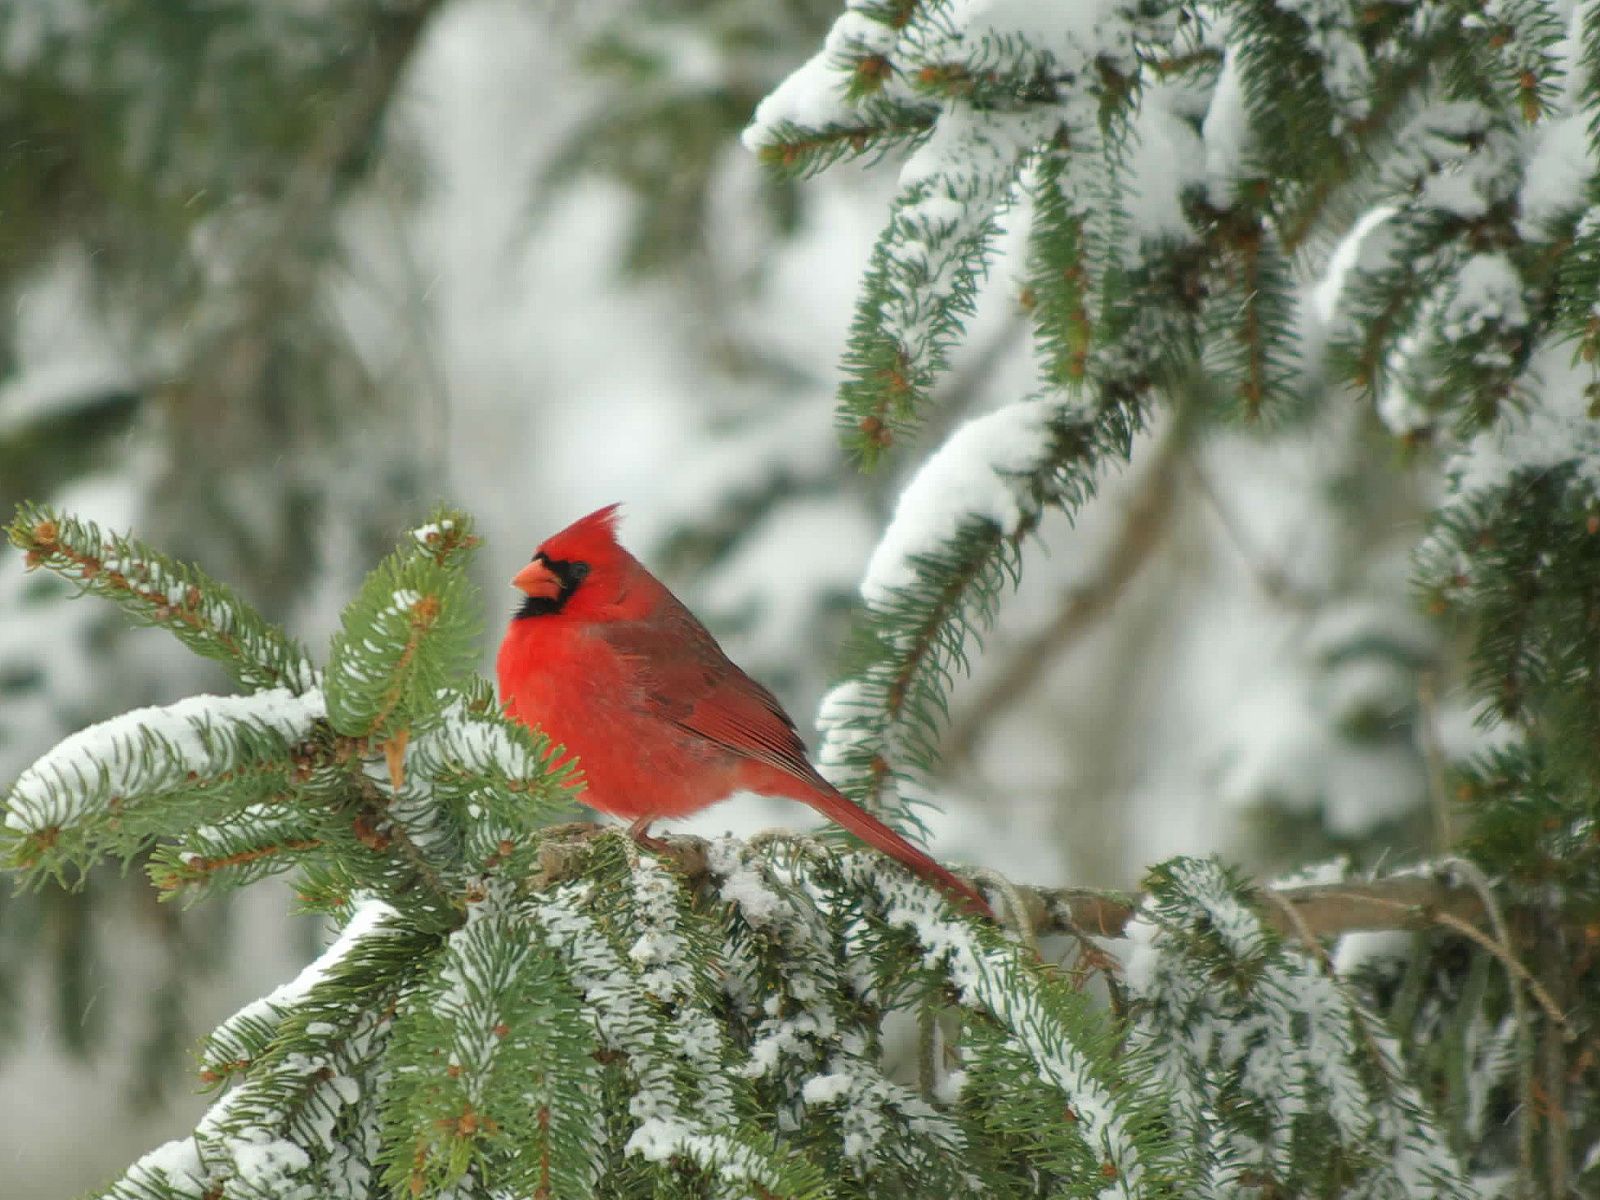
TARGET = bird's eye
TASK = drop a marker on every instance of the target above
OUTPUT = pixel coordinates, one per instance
(579, 571)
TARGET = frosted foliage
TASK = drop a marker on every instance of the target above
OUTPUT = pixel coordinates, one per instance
(1491, 1057)
(1167, 158)
(797, 1037)
(975, 481)
(171, 1168)
(1289, 1037)
(743, 882)
(478, 974)
(468, 742)
(659, 950)
(55, 641)
(864, 1101)
(1458, 155)
(664, 1125)
(663, 960)
(1553, 427)
(839, 721)
(371, 659)
(364, 922)
(303, 1127)
(427, 535)
(1345, 74)
(732, 1163)
(1557, 173)
(151, 749)
(1488, 292)
(1226, 132)
(951, 188)
(1073, 36)
(988, 978)
(287, 1127)
(965, 170)
(813, 97)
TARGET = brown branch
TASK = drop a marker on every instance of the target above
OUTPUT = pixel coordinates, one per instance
(1401, 902)
(1552, 1095)
(1255, 385)
(1270, 576)
(192, 870)
(1146, 519)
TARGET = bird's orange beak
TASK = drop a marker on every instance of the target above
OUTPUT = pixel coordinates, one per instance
(538, 581)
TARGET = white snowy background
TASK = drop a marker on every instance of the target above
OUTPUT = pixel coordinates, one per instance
(1212, 689)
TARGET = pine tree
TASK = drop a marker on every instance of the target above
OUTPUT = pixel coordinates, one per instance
(512, 1008)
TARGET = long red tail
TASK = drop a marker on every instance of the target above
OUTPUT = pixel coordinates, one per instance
(874, 832)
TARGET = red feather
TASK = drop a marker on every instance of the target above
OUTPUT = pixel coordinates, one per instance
(662, 722)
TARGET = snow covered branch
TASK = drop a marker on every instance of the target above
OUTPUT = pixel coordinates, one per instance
(518, 1007)
(1399, 902)
(204, 614)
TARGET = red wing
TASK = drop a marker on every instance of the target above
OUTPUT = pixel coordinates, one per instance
(687, 679)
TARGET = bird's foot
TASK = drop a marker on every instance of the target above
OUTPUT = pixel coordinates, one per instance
(639, 831)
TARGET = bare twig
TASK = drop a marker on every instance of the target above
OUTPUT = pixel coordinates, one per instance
(1479, 883)
(1518, 972)
(1433, 759)
(1297, 922)
(1145, 520)
(1553, 1065)
(1271, 576)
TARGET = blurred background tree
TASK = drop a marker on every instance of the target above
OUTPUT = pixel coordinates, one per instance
(282, 275)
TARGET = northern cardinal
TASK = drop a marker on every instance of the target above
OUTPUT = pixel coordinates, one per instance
(610, 665)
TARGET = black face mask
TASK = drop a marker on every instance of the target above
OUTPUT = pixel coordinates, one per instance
(568, 574)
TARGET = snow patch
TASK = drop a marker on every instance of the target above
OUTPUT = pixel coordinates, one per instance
(966, 480)
(150, 747)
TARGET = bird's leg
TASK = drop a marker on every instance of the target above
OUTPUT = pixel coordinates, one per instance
(639, 831)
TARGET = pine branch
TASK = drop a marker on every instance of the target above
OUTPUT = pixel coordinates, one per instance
(925, 595)
(113, 788)
(1037, 1027)
(494, 1076)
(1400, 902)
(407, 636)
(630, 1022)
(801, 152)
(1234, 1024)
(154, 590)
(779, 947)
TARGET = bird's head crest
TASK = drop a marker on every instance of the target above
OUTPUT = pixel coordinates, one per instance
(585, 537)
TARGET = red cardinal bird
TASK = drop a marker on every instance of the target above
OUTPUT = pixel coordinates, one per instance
(610, 665)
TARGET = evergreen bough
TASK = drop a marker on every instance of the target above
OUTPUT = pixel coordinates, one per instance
(514, 1009)
(1182, 173)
